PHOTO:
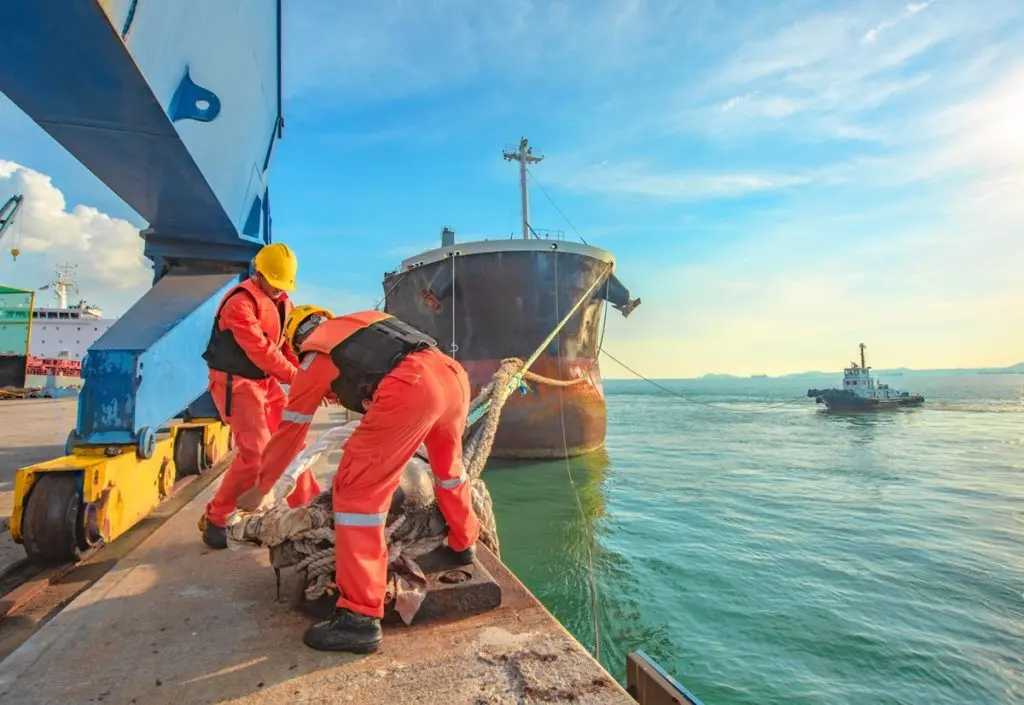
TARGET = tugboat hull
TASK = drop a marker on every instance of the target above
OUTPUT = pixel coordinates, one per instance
(842, 400)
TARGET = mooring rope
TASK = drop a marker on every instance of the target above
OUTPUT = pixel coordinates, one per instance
(302, 539)
(398, 280)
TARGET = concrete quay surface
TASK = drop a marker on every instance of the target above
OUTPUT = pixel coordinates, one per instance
(31, 431)
(175, 622)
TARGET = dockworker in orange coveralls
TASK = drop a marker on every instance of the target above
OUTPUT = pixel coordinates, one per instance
(248, 357)
(411, 394)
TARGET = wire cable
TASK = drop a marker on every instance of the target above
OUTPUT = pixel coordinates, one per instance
(594, 599)
(674, 393)
(548, 196)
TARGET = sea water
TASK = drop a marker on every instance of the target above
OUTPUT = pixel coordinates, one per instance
(780, 554)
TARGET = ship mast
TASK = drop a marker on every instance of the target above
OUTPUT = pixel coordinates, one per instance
(64, 283)
(863, 364)
(525, 157)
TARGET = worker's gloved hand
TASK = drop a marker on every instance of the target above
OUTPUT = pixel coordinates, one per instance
(250, 500)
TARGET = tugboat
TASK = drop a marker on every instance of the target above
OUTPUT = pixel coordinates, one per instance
(862, 392)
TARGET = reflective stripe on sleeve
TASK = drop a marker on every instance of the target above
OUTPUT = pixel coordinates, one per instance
(450, 484)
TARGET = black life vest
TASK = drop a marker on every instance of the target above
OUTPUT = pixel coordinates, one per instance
(224, 354)
(364, 347)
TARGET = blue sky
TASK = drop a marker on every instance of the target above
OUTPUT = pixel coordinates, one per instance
(779, 181)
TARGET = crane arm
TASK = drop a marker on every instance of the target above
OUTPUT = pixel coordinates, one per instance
(8, 211)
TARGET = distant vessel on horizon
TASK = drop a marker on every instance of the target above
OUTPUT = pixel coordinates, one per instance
(760, 376)
(862, 392)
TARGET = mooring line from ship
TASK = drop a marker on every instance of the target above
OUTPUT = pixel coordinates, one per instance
(398, 280)
(594, 600)
(674, 393)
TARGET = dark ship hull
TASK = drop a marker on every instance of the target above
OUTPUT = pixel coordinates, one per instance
(485, 301)
(844, 400)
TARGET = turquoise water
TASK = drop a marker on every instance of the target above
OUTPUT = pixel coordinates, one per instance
(791, 556)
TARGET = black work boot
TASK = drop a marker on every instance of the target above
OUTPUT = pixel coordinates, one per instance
(345, 631)
(464, 557)
(213, 536)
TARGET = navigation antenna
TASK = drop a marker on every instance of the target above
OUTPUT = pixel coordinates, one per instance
(525, 157)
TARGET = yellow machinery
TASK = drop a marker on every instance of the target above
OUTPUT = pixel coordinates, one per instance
(65, 507)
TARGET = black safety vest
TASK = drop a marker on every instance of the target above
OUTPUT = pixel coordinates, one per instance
(367, 355)
(224, 354)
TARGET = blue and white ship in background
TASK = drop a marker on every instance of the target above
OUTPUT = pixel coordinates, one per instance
(862, 392)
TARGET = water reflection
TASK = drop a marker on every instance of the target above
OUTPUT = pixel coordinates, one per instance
(865, 425)
(549, 544)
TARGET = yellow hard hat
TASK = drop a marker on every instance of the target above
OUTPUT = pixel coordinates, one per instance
(278, 265)
(301, 314)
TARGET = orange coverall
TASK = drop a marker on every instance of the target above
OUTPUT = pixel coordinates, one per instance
(424, 400)
(255, 404)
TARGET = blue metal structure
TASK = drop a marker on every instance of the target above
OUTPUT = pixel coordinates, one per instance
(176, 106)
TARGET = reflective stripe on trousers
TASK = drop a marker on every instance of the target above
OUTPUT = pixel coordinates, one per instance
(296, 417)
(351, 519)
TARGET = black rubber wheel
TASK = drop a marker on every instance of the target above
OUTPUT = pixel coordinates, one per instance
(52, 525)
(189, 453)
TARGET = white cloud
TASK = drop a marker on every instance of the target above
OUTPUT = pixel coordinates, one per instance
(908, 12)
(639, 179)
(817, 78)
(986, 131)
(112, 271)
(393, 48)
(927, 278)
(967, 149)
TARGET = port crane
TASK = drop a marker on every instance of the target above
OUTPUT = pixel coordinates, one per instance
(7, 212)
(176, 107)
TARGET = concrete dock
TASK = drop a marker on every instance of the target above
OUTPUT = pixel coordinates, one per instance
(174, 622)
(31, 431)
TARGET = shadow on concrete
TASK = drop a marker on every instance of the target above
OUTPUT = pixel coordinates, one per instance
(179, 627)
